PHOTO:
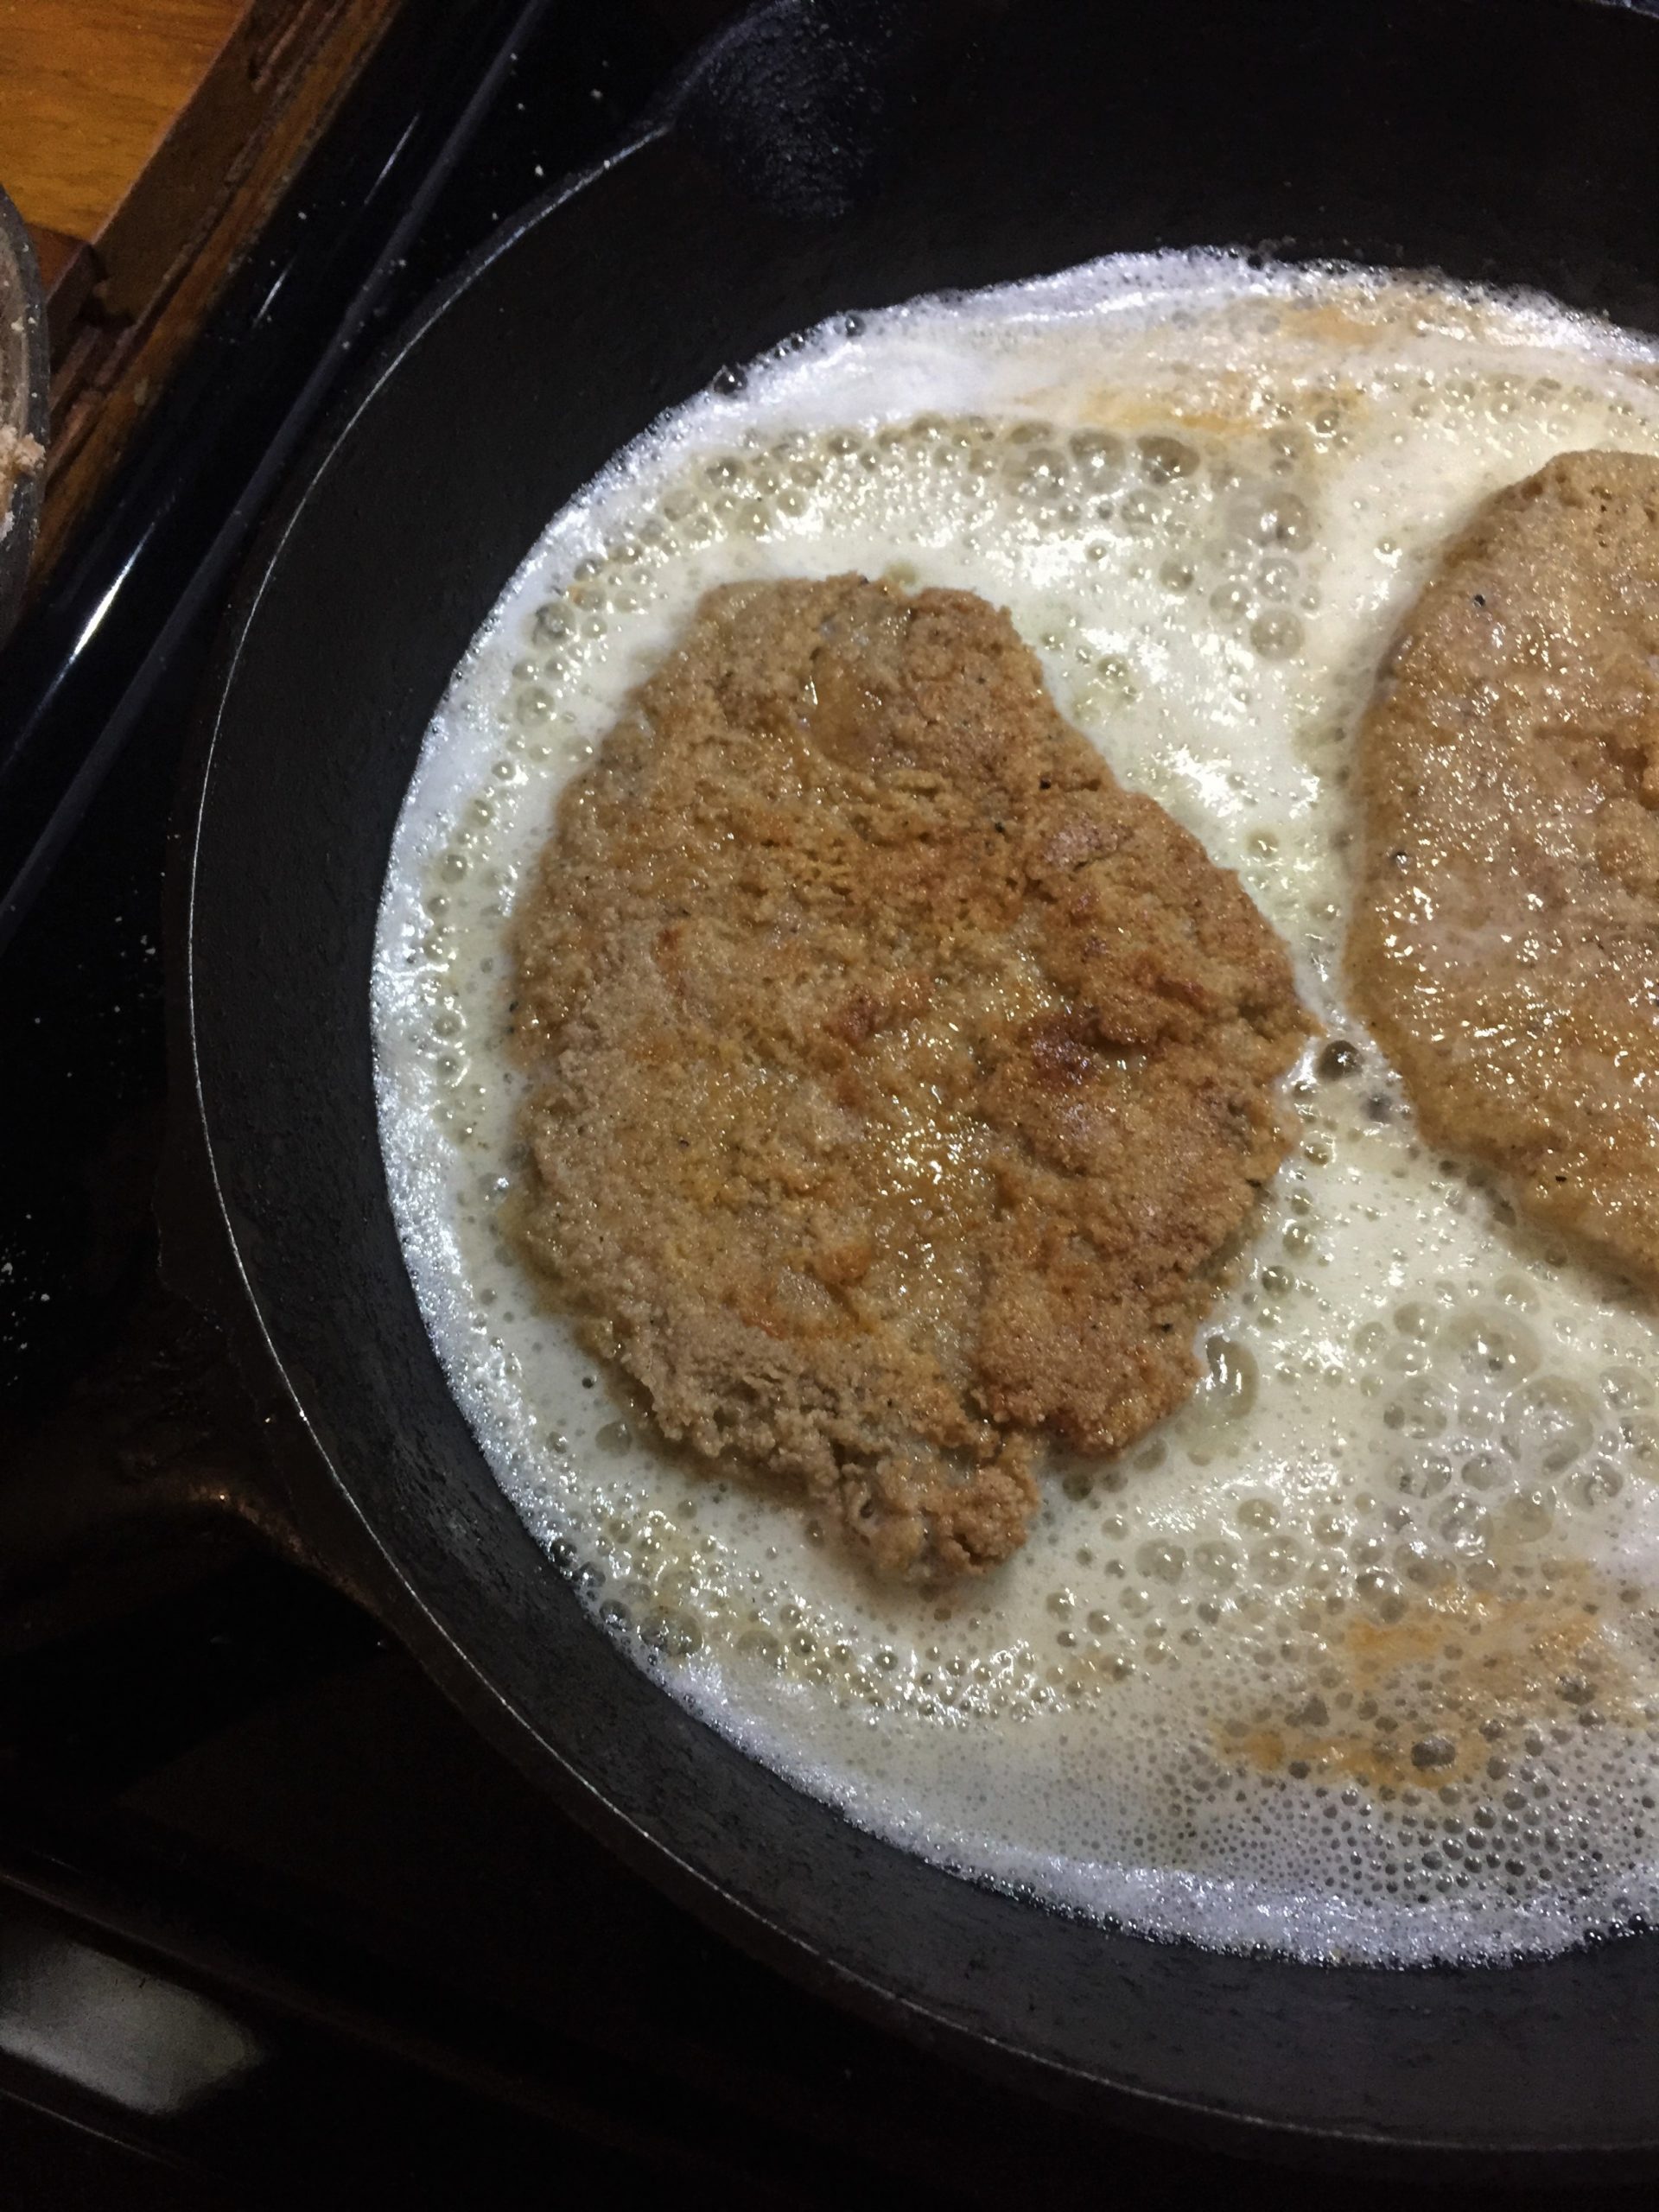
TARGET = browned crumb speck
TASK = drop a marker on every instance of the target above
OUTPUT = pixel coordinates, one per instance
(1505, 947)
(901, 1079)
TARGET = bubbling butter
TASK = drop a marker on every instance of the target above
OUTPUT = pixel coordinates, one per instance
(1357, 1654)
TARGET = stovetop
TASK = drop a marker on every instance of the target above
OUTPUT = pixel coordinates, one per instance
(272, 1919)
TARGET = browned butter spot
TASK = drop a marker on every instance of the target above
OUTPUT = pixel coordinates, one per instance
(1430, 1696)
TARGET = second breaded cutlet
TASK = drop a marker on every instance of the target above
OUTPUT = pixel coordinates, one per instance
(1505, 942)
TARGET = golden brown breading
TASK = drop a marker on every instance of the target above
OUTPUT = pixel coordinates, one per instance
(901, 1076)
(1505, 944)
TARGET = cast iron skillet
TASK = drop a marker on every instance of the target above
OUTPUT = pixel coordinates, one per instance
(823, 159)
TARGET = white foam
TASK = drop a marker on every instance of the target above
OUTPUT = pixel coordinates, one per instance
(1425, 1431)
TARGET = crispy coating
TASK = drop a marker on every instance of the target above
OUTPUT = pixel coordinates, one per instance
(1505, 945)
(902, 1079)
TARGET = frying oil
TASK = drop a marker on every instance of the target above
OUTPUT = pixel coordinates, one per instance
(1357, 1654)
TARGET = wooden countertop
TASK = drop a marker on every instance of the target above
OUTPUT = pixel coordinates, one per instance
(145, 141)
(97, 84)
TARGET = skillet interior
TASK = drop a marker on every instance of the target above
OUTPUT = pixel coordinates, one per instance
(805, 172)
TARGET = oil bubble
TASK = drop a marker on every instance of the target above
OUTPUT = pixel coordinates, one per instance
(1493, 1346)
(1097, 457)
(1282, 519)
(1163, 459)
(1277, 634)
(1548, 1423)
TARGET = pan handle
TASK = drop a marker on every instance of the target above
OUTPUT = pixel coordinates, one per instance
(806, 105)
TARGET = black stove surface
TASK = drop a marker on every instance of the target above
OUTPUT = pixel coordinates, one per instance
(272, 1920)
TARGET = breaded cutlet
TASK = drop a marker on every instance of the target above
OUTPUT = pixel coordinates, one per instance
(901, 1079)
(1505, 940)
